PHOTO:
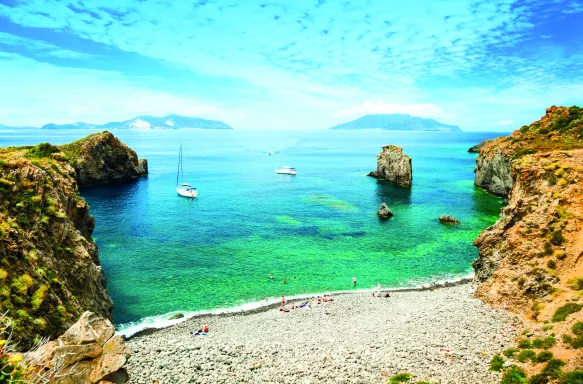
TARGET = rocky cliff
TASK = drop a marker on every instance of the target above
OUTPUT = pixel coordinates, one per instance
(101, 158)
(531, 259)
(394, 166)
(49, 267)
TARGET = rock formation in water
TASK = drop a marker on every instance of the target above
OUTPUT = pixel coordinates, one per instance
(101, 158)
(394, 166)
(88, 352)
(447, 219)
(49, 268)
(384, 211)
(531, 260)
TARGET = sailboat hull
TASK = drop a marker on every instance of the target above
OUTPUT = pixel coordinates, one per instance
(286, 171)
(187, 192)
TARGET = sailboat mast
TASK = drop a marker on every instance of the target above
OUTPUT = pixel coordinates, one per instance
(181, 170)
(179, 164)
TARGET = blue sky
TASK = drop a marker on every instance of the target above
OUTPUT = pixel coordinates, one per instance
(484, 65)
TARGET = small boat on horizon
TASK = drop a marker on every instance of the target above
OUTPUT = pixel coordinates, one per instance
(286, 170)
(184, 189)
(269, 153)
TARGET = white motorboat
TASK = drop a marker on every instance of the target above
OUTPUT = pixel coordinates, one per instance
(286, 170)
(184, 189)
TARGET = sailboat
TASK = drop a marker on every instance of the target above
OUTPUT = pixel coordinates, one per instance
(285, 169)
(184, 189)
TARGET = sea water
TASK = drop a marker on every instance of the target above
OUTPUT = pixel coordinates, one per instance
(163, 253)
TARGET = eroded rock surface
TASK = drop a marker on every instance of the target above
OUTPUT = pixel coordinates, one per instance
(394, 166)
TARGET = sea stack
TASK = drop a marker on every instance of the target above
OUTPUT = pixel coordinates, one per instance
(394, 166)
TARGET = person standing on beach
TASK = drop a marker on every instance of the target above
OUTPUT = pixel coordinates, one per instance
(282, 302)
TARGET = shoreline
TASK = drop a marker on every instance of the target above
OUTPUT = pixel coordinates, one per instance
(438, 334)
(266, 305)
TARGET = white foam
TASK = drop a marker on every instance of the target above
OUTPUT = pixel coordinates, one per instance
(162, 321)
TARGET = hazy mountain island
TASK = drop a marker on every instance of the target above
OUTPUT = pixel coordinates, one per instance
(145, 123)
(397, 122)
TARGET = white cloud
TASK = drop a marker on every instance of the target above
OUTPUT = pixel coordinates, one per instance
(504, 122)
(368, 107)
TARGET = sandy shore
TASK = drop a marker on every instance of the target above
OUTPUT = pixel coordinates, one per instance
(442, 335)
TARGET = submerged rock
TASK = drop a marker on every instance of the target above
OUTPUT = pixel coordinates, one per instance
(87, 353)
(394, 166)
(176, 316)
(384, 211)
(446, 219)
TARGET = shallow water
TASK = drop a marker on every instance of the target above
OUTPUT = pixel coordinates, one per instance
(163, 253)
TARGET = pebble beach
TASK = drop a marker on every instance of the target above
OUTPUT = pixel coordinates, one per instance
(441, 335)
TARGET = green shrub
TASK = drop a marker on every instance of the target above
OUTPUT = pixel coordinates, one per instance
(549, 342)
(497, 363)
(547, 328)
(538, 379)
(514, 375)
(22, 284)
(524, 343)
(576, 284)
(553, 369)
(544, 356)
(575, 377)
(552, 264)
(42, 150)
(537, 343)
(526, 355)
(577, 328)
(400, 378)
(548, 248)
(38, 297)
(510, 352)
(562, 312)
(557, 238)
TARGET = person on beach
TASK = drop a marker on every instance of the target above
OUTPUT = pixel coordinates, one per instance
(282, 302)
(353, 280)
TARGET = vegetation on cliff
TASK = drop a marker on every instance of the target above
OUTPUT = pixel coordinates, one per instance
(49, 267)
(531, 260)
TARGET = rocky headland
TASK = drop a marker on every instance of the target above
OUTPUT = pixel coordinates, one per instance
(394, 166)
(49, 266)
(531, 260)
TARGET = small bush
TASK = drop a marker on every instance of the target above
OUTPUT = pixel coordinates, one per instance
(42, 150)
(548, 248)
(543, 131)
(553, 369)
(497, 363)
(514, 375)
(537, 343)
(552, 264)
(22, 284)
(400, 378)
(557, 238)
(544, 356)
(575, 377)
(562, 312)
(524, 343)
(526, 355)
(549, 342)
(510, 352)
(547, 328)
(577, 328)
(576, 284)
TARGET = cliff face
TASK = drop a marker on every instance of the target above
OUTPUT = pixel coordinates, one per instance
(532, 257)
(49, 267)
(394, 166)
(493, 173)
(101, 158)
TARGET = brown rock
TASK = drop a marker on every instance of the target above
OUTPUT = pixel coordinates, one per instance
(384, 211)
(394, 166)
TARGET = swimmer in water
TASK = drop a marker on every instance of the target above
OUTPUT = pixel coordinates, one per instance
(270, 276)
(353, 280)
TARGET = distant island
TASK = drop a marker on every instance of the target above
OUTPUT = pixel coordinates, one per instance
(397, 122)
(144, 123)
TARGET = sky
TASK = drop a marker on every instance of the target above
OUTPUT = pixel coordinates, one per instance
(296, 64)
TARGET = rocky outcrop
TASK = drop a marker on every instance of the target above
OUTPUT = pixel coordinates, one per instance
(532, 257)
(87, 353)
(101, 158)
(394, 166)
(450, 220)
(49, 267)
(384, 211)
(493, 173)
(476, 148)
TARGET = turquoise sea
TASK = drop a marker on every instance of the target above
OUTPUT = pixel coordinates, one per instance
(162, 253)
